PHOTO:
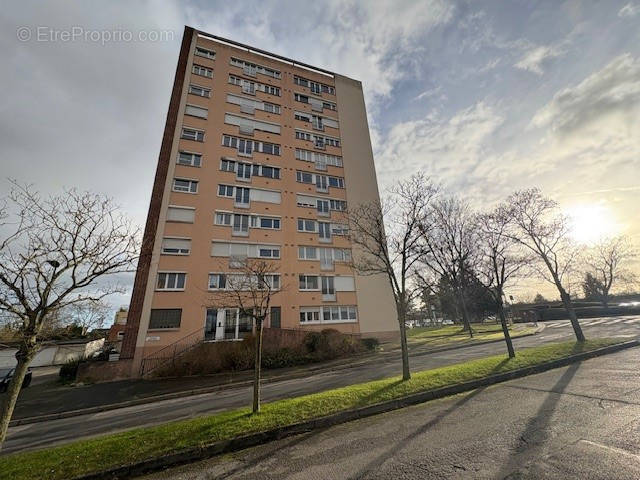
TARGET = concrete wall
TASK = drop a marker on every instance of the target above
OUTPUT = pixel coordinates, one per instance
(53, 354)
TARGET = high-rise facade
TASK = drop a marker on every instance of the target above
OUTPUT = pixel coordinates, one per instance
(260, 157)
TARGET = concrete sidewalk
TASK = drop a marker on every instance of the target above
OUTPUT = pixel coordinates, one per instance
(53, 400)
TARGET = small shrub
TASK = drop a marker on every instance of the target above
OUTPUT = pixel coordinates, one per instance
(370, 343)
(69, 370)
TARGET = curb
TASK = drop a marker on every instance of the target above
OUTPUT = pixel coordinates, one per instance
(254, 439)
(226, 386)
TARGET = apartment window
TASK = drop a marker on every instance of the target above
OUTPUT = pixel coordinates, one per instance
(336, 182)
(308, 282)
(315, 87)
(275, 317)
(223, 218)
(322, 206)
(272, 280)
(184, 185)
(225, 190)
(271, 108)
(324, 231)
(242, 196)
(217, 281)
(309, 315)
(176, 246)
(307, 253)
(172, 281)
(339, 229)
(301, 98)
(181, 214)
(190, 159)
(269, 172)
(196, 111)
(244, 171)
(328, 286)
(165, 318)
(339, 313)
(200, 91)
(305, 225)
(202, 71)
(338, 205)
(304, 177)
(228, 165)
(240, 224)
(203, 52)
(320, 159)
(192, 134)
(303, 135)
(251, 68)
(269, 252)
(246, 147)
(268, 223)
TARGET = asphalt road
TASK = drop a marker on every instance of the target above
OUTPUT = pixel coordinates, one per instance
(578, 422)
(40, 435)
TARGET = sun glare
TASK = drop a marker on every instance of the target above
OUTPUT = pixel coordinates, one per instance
(590, 223)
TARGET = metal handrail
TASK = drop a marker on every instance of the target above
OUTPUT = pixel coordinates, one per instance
(170, 352)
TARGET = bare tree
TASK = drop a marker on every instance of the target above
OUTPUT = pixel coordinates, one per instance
(448, 243)
(386, 237)
(251, 290)
(608, 263)
(502, 259)
(52, 254)
(86, 315)
(540, 227)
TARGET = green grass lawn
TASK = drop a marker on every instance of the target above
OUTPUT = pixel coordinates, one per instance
(86, 456)
(453, 334)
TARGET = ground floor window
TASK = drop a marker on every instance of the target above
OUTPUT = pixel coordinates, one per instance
(227, 324)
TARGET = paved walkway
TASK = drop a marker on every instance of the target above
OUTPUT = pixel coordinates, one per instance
(578, 422)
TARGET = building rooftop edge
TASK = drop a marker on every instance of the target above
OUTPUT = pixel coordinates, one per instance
(268, 54)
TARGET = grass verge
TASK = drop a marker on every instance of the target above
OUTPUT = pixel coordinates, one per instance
(454, 334)
(87, 456)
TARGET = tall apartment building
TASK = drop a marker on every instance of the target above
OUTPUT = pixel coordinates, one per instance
(260, 156)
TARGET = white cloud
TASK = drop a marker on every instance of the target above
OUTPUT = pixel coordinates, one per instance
(612, 93)
(535, 57)
(629, 10)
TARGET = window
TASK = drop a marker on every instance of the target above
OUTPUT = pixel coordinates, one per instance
(303, 135)
(196, 111)
(339, 229)
(245, 147)
(324, 231)
(322, 206)
(225, 190)
(339, 314)
(336, 182)
(271, 108)
(165, 318)
(223, 218)
(307, 253)
(250, 124)
(328, 286)
(268, 223)
(181, 214)
(251, 68)
(192, 134)
(170, 281)
(200, 91)
(305, 225)
(316, 87)
(240, 224)
(269, 172)
(304, 177)
(272, 280)
(249, 87)
(301, 98)
(203, 52)
(217, 281)
(338, 205)
(228, 165)
(309, 314)
(176, 246)
(242, 196)
(202, 71)
(308, 282)
(189, 159)
(320, 159)
(268, 252)
(244, 171)
(184, 185)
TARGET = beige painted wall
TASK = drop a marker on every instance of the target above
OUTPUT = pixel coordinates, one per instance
(376, 305)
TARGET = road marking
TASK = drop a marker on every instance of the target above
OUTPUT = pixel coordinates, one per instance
(612, 449)
(633, 320)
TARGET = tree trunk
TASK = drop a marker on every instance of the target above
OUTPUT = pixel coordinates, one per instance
(465, 316)
(24, 356)
(406, 374)
(568, 306)
(505, 330)
(257, 367)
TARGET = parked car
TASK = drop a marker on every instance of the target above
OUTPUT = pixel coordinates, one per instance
(6, 374)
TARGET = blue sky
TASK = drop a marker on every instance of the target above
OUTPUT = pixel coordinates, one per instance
(486, 97)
